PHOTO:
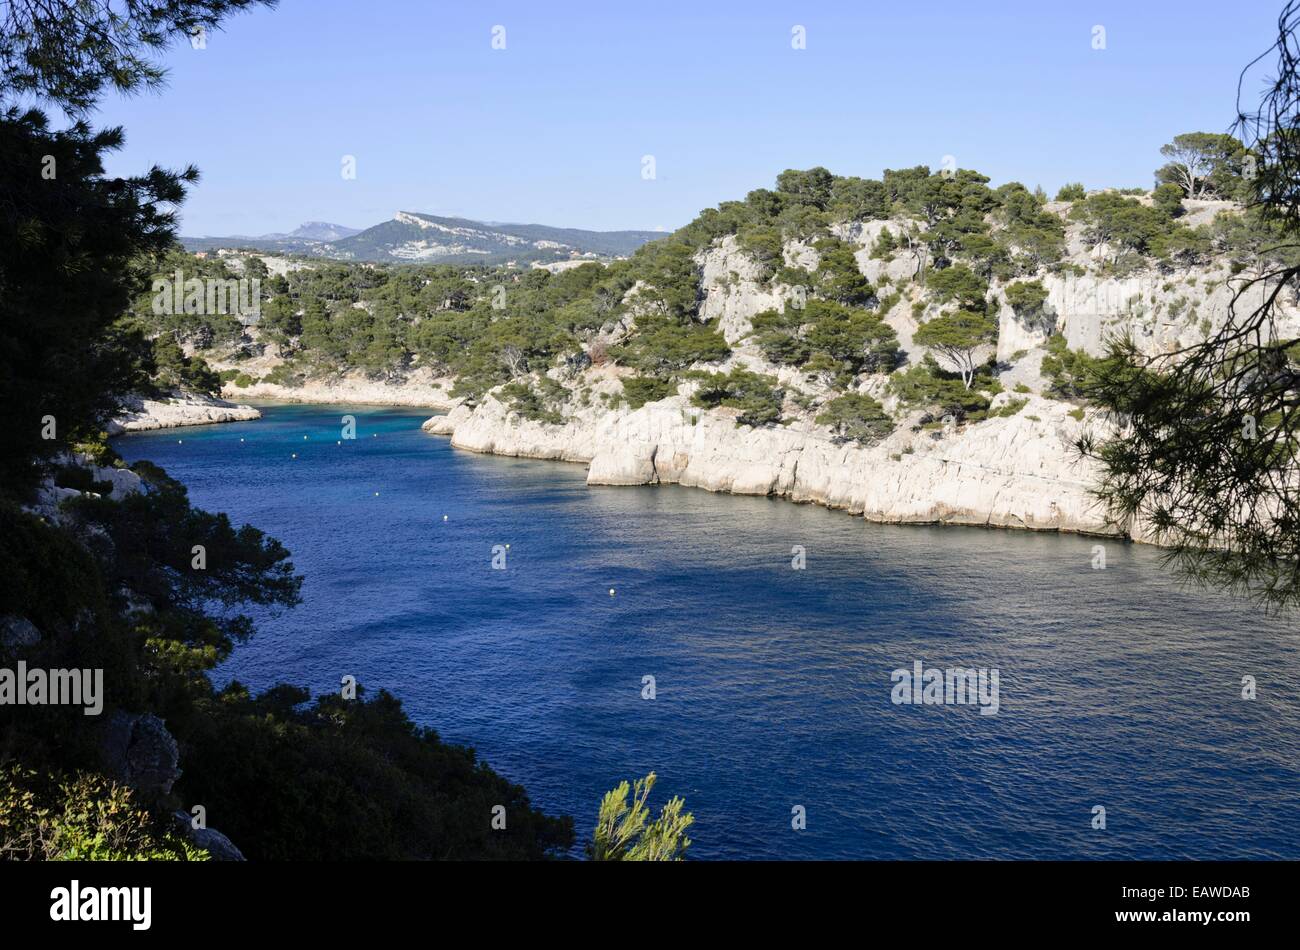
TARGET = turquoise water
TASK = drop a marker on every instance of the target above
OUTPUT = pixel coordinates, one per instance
(1117, 687)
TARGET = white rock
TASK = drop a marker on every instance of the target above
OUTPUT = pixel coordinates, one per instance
(178, 410)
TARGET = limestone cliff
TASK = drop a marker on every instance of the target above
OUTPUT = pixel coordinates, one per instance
(187, 409)
(1018, 470)
(1015, 472)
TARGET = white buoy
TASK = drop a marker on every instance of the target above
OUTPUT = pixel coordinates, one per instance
(611, 592)
(444, 517)
(295, 454)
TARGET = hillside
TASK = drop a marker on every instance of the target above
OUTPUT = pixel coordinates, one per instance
(414, 237)
(916, 348)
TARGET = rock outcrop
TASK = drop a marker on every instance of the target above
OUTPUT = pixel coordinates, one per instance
(178, 410)
(420, 389)
(138, 751)
(734, 290)
(218, 846)
(1018, 471)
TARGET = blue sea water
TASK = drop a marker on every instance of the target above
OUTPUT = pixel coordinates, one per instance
(1117, 687)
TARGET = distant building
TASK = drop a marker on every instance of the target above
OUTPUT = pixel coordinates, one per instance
(200, 254)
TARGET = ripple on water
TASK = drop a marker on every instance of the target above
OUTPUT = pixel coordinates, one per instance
(1117, 687)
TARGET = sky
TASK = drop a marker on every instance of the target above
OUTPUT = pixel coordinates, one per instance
(555, 127)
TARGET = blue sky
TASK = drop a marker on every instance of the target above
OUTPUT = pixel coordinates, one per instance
(552, 129)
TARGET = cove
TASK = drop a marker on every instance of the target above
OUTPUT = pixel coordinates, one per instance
(1117, 687)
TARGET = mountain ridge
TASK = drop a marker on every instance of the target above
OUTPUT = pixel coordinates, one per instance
(412, 236)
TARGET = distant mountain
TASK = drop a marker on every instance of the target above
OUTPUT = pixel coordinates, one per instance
(298, 241)
(322, 231)
(425, 238)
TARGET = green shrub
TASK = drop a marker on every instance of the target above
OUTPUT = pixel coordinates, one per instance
(624, 831)
(639, 390)
(174, 370)
(885, 245)
(756, 396)
(838, 278)
(538, 404)
(286, 374)
(1026, 297)
(85, 817)
(852, 341)
(960, 284)
(1012, 407)
(856, 417)
(664, 346)
(926, 385)
(1069, 372)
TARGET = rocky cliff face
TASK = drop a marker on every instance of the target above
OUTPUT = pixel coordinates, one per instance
(186, 409)
(1013, 472)
(733, 291)
(1018, 471)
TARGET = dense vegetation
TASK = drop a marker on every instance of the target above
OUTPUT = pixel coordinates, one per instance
(528, 335)
(114, 583)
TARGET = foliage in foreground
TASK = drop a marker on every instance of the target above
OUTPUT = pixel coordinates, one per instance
(624, 831)
(81, 818)
(285, 777)
(1206, 447)
(333, 779)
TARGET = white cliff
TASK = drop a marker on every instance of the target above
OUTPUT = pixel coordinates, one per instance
(184, 409)
(1015, 472)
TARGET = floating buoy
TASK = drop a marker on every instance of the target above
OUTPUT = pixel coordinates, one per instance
(295, 454)
(444, 517)
(611, 592)
(178, 441)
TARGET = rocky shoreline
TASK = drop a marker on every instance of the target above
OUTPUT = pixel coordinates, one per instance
(1018, 471)
(419, 392)
(190, 409)
(180, 409)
